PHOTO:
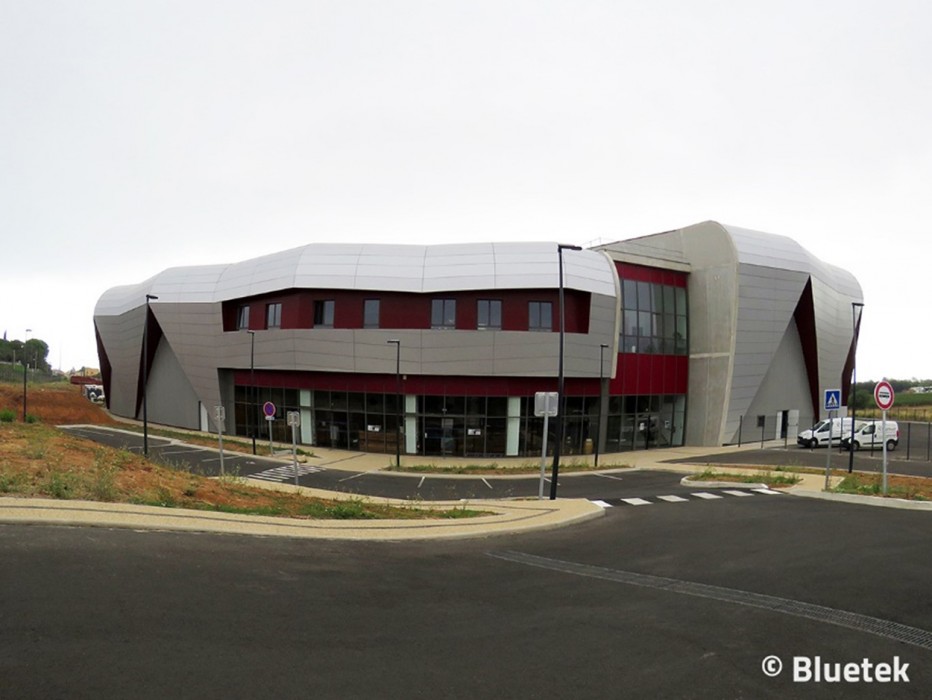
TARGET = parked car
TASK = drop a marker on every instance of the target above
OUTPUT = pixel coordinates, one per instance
(818, 435)
(868, 435)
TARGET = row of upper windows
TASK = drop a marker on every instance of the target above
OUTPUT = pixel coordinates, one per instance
(442, 314)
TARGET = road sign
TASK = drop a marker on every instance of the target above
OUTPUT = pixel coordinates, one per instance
(294, 419)
(832, 399)
(883, 395)
(546, 403)
(268, 408)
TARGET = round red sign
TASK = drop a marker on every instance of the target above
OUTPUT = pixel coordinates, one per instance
(883, 395)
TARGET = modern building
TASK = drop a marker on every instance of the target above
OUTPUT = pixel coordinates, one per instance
(705, 335)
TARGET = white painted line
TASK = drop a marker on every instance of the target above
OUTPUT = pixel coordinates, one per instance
(637, 502)
(488, 484)
(673, 499)
(421, 482)
(609, 476)
(356, 476)
(735, 492)
(769, 492)
(704, 494)
(602, 504)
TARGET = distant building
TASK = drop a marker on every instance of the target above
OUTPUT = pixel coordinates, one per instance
(700, 334)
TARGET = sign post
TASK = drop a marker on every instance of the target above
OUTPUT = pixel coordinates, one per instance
(546, 404)
(832, 403)
(294, 420)
(219, 417)
(268, 408)
(884, 397)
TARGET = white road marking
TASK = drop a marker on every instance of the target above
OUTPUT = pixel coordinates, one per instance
(705, 494)
(609, 476)
(735, 492)
(673, 499)
(769, 492)
(421, 482)
(637, 502)
(602, 504)
(354, 476)
(488, 484)
(284, 472)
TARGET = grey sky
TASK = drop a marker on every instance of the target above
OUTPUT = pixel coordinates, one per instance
(136, 136)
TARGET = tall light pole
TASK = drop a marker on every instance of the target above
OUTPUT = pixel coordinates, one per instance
(251, 417)
(855, 305)
(598, 435)
(397, 343)
(561, 404)
(145, 378)
(25, 371)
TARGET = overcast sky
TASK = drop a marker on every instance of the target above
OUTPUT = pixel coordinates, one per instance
(139, 135)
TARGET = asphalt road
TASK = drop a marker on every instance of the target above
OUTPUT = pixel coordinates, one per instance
(392, 485)
(571, 613)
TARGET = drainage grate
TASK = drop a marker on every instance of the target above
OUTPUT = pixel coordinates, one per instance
(842, 618)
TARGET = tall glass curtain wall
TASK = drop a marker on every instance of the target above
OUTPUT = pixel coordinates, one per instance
(463, 426)
(653, 319)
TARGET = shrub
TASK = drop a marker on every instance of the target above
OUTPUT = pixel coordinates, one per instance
(7, 415)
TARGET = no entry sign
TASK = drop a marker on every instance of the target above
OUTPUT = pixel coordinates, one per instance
(883, 395)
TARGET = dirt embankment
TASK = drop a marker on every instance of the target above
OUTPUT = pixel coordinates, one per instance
(57, 404)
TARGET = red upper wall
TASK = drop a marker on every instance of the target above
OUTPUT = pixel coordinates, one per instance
(407, 310)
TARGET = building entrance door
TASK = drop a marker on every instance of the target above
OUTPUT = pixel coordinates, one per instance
(439, 435)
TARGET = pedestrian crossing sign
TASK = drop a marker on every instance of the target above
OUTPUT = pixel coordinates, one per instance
(832, 399)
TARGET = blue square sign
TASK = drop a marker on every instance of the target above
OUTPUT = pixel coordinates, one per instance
(832, 399)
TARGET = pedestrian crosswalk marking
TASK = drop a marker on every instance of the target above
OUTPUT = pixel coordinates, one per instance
(637, 502)
(285, 472)
(671, 498)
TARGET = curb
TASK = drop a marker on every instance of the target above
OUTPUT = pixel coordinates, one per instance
(878, 501)
(510, 517)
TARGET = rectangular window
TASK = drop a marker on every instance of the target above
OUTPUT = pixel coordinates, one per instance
(630, 294)
(323, 313)
(273, 315)
(540, 316)
(370, 313)
(443, 313)
(242, 317)
(489, 314)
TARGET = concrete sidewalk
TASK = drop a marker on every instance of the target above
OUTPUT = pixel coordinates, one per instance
(508, 517)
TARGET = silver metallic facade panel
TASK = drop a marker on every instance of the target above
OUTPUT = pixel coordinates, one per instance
(401, 268)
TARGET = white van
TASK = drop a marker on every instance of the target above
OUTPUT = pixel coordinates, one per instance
(868, 436)
(817, 435)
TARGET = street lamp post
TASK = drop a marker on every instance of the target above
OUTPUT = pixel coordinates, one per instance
(251, 418)
(854, 381)
(25, 371)
(397, 343)
(561, 404)
(145, 378)
(598, 435)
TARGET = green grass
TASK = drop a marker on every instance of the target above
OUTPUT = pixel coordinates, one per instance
(872, 485)
(767, 477)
